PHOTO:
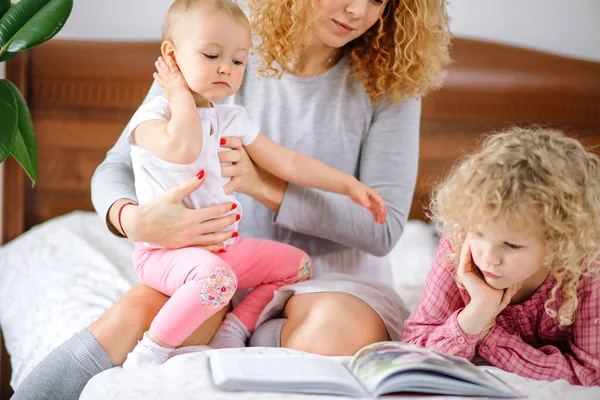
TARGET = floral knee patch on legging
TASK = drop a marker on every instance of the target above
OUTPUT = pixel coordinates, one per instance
(305, 269)
(218, 289)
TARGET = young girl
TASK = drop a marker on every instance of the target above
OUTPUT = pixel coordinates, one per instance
(515, 280)
(206, 45)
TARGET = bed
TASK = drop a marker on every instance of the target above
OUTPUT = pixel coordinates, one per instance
(61, 268)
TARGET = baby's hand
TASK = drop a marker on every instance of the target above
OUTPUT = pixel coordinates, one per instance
(169, 77)
(365, 196)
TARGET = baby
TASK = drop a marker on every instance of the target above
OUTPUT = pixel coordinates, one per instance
(176, 136)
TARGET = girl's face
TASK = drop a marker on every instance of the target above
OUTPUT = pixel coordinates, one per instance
(506, 257)
(341, 21)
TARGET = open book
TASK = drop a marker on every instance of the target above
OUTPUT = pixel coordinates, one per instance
(378, 369)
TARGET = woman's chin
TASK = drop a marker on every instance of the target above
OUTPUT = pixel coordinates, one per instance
(334, 41)
(337, 44)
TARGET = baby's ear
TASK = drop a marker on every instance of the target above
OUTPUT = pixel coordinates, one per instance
(167, 49)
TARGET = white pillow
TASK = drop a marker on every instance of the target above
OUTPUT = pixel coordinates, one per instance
(411, 260)
(56, 279)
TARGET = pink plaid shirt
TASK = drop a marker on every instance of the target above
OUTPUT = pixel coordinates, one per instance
(525, 339)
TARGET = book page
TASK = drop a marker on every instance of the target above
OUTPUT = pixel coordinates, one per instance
(295, 374)
(377, 363)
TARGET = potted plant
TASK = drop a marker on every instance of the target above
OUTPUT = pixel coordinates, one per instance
(24, 25)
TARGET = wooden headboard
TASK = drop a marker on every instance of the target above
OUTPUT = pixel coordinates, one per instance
(81, 95)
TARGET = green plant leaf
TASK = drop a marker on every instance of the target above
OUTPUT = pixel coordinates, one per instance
(20, 152)
(24, 147)
(7, 56)
(4, 6)
(8, 118)
(32, 22)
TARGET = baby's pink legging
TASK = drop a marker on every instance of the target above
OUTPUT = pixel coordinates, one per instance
(201, 283)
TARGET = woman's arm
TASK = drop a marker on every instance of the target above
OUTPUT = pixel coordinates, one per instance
(388, 164)
(434, 322)
(113, 179)
(578, 361)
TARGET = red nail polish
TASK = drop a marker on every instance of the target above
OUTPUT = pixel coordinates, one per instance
(234, 234)
(237, 217)
(222, 251)
(200, 175)
(233, 206)
(222, 142)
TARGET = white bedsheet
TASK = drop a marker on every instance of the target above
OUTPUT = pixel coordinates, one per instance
(186, 377)
(55, 280)
(62, 275)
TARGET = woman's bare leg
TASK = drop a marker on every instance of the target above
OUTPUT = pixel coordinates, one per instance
(330, 323)
(119, 328)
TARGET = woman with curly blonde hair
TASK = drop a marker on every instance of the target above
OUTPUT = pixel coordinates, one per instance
(338, 80)
(516, 279)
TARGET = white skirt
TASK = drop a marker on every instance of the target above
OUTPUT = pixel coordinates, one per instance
(350, 271)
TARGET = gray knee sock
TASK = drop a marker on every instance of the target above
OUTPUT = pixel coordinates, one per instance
(64, 372)
(268, 334)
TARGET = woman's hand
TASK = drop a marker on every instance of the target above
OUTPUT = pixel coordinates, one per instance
(247, 178)
(166, 222)
(238, 165)
(486, 302)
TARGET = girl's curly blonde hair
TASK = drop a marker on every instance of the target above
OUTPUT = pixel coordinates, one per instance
(530, 176)
(405, 52)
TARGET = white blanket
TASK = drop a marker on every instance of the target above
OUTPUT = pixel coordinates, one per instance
(62, 275)
(186, 377)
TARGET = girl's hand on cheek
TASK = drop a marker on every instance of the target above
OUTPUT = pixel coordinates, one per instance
(237, 165)
(508, 294)
(506, 298)
(471, 278)
(485, 303)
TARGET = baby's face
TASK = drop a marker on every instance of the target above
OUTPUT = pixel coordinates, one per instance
(213, 55)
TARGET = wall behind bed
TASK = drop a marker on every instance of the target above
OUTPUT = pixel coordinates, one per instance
(568, 28)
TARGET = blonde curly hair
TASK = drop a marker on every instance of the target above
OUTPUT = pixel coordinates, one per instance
(404, 53)
(530, 176)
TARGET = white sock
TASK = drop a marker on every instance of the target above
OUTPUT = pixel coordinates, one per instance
(188, 349)
(231, 334)
(146, 354)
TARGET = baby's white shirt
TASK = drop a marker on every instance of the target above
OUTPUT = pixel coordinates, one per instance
(154, 176)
